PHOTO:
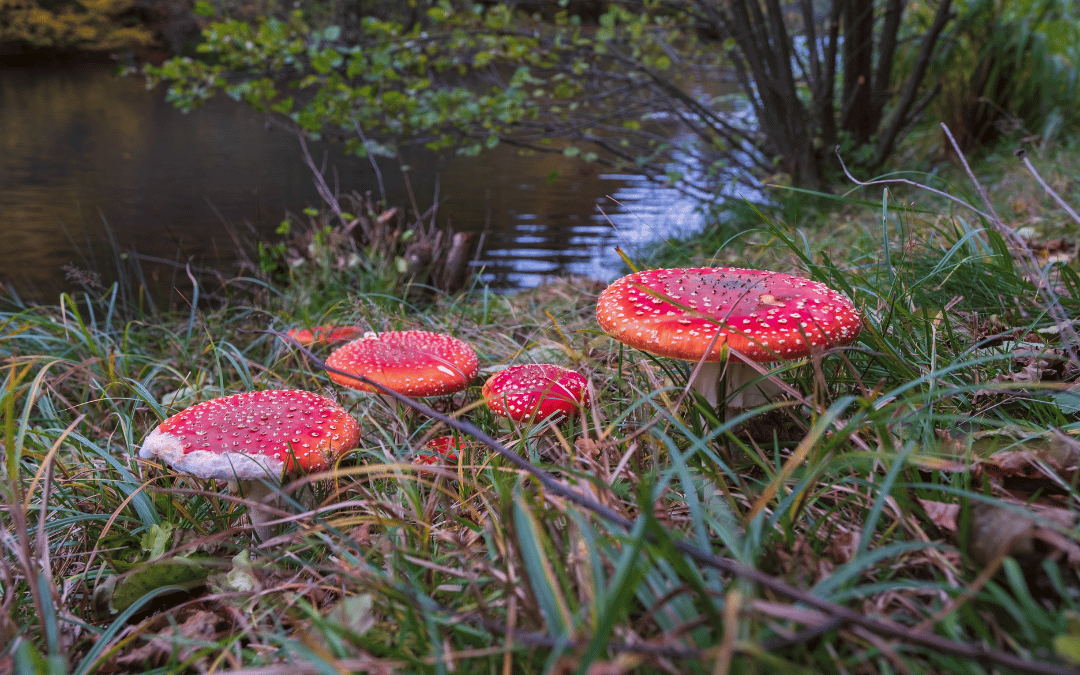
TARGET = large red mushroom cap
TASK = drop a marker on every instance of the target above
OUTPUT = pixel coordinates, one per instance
(413, 363)
(325, 334)
(693, 314)
(536, 391)
(253, 435)
(765, 316)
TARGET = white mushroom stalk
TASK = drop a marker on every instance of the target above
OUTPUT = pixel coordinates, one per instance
(744, 387)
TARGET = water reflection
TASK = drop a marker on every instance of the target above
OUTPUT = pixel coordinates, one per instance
(79, 147)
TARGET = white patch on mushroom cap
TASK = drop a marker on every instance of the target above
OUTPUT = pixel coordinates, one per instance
(205, 464)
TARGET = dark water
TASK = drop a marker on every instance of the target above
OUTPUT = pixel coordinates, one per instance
(80, 148)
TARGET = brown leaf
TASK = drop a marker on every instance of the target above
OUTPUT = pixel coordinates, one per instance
(941, 514)
(1053, 463)
(997, 530)
(842, 546)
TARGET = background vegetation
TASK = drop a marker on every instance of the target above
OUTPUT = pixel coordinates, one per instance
(694, 94)
(85, 25)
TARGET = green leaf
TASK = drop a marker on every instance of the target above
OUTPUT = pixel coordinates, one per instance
(1068, 647)
(354, 614)
(241, 577)
(120, 592)
(203, 8)
(156, 539)
(1067, 401)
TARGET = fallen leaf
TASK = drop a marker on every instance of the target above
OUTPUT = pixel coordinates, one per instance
(1013, 530)
(941, 514)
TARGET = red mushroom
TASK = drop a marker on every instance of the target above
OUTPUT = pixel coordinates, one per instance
(759, 316)
(254, 438)
(413, 363)
(325, 334)
(533, 392)
(443, 449)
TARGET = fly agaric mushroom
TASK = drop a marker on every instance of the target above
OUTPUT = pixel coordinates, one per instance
(694, 314)
(443, 449)
(413, 363)
(325, 334)
(533, 392)
(254, 438)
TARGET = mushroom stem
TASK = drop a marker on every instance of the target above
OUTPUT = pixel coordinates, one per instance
(745, 387)
(262, 498)
(707, 381)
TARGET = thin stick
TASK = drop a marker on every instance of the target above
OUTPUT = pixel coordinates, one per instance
(1049, 190)
(905, 181)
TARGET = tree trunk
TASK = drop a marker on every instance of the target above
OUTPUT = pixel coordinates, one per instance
(857, 107)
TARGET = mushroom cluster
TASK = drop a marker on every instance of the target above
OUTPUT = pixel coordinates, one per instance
(724, 318)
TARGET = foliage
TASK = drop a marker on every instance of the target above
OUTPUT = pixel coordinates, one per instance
(91, 25)
(647, 88)
(1011, 66)
(854, 527)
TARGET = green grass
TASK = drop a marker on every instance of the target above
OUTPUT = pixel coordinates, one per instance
(649, 535)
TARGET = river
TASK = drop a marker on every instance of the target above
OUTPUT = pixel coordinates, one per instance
(85, 156)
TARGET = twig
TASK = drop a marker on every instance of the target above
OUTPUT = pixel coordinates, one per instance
(905, 181)
(371, 158)
(1022, 155)
(1069, 337)
(840, 614)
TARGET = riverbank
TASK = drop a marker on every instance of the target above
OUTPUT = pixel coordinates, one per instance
(908, 503)
(847, 226)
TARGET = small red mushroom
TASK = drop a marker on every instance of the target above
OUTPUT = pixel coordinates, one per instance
(443, 449)
(325, 334)
(533, 392)
(253, 437)
(413, 363)
(693, 314)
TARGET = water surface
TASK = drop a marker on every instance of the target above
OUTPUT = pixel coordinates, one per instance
(80, 148)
